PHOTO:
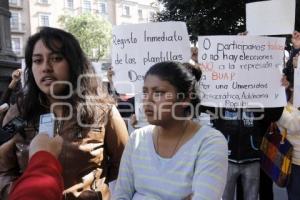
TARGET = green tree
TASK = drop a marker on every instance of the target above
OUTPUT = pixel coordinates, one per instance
(92, 32)
(206, 17)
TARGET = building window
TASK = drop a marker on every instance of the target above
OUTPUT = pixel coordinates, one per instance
(14, 2)
(87, 6)
(140, 13)
(44, 20)
(16, 45)
(152, 15)
(102, 7)
(14, 20)
(69, 4)
(126, 11)
(43, 1)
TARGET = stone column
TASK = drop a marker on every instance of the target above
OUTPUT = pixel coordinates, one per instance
(8, 61)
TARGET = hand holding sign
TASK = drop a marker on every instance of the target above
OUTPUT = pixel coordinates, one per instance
(296, 91)
(296, 39)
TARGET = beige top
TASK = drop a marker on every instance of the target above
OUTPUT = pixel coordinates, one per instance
(290, 119)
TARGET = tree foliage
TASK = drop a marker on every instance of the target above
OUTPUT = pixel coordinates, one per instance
(92, 32)
(206, 17)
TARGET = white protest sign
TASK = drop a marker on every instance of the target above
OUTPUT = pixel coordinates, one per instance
(296, 97)
(137, 47)
(273, 17)
(241, 71)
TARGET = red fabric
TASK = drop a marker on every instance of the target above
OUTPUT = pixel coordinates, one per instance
(41, 180)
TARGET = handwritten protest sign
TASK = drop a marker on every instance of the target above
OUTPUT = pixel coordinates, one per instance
(273, 17)
(137, 47)
(241, 71)
(296, 99)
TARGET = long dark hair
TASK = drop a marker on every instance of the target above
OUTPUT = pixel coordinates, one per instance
(78, 65)
(180, 77)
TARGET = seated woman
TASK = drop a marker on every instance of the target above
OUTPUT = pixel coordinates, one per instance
(173, 157)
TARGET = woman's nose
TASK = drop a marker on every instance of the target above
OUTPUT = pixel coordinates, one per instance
(148, 97)
(47, 66)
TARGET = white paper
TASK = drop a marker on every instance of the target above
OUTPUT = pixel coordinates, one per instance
(241, 71)
(136, 47)
(296, 98)
(275, 17)
(47, 124)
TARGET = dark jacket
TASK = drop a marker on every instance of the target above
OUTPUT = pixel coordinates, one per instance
(243, 129)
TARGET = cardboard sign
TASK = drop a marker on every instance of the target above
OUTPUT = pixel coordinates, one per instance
(135, 48)
(273, 17)
(241, 71)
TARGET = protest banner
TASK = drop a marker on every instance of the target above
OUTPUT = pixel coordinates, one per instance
(275, 17)
(136, 47)
(296, 98)
(241, 71)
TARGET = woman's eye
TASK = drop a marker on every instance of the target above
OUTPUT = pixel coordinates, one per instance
(56, 58)
(144, 95)
(37, 61)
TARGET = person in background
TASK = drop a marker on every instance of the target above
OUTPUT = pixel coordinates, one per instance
(42, 178)
(110, 85)
(12, 87)
(289, 69)
(173, 157)
(61, 80)
(194, 55)
(9, 96)
(125, 107)
(290, 120)
(265, 183)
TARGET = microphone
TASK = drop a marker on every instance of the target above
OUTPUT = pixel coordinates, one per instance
(4, 107)
(16, 125)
